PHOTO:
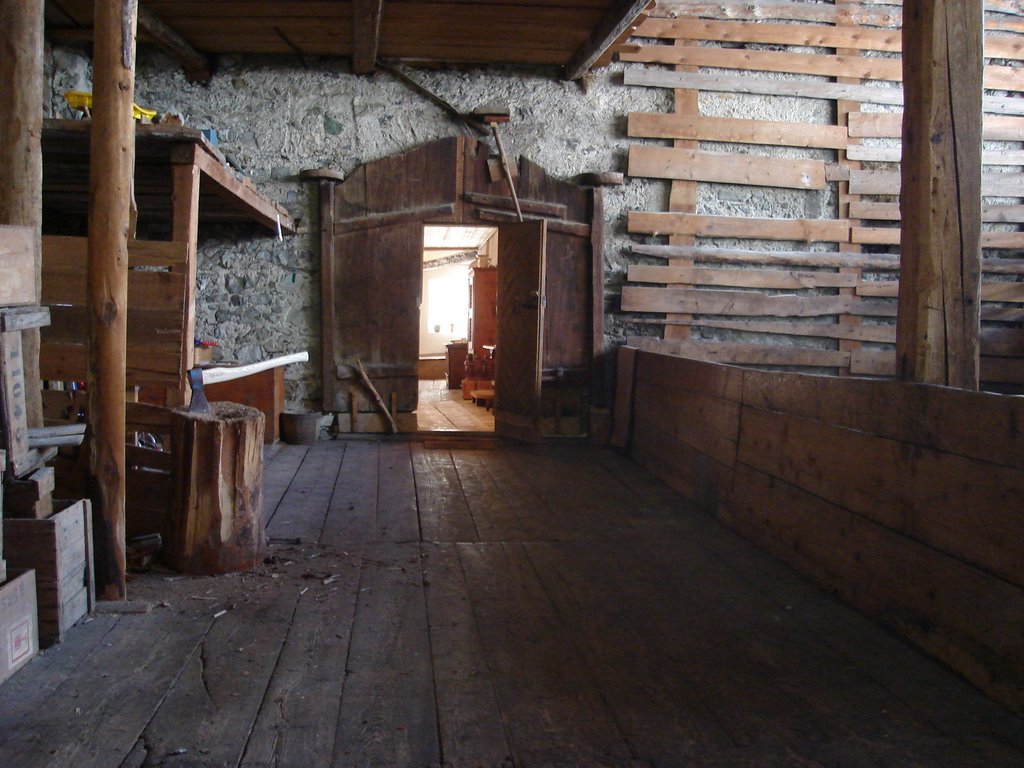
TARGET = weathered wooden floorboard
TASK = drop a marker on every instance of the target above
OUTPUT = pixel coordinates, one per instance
(521, 494)
(279, 467)
(211, 708)
(298, 719)
(554, 713)
(302, 510)
(352, 513)
(24, 694)
(397, 518)
(95, 717)
(388, 715)
(472, 732)
(494, 517)
(444, 513)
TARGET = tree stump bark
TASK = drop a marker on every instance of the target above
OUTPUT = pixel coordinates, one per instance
(218, 511)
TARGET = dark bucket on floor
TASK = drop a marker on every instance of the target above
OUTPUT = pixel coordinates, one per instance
(300, 428)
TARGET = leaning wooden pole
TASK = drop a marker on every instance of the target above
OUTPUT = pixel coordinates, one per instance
(110, 193)
(940, 203)
(21, 157)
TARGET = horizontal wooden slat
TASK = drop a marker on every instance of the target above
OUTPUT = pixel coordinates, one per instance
(889, 125)
(737, 353)
(694, 165)
(69, 362)
(807, 89)
(160, 291)
(770, 61)
(891, 236)
(62, 251)
(864, 153)
(747, 303)
(157, 329)
(888, 183)
(777, 34)
(848, 331)
(655, 125)
(809, 230)
(741, 278)
(990, 291)
(992, 214)
(802, 259)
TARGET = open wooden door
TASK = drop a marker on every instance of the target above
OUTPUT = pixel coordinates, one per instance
(521, 270)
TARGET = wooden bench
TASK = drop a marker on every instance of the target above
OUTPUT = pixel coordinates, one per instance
(484, 397)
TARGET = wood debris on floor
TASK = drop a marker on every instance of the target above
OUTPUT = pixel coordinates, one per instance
(509, 606)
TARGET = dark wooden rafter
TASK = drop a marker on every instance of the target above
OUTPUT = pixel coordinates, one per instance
(615, 24)
(939, 296)
(366, 35)
(155, 30)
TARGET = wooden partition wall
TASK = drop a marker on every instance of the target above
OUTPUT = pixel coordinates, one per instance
(747, 285)
(904, 499)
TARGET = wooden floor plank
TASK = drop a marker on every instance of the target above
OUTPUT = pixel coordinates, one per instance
(25, 693)
(139, 660)
(493, 516)
(211, 708)
(396, 495)
(352, 513)
(298, 719)
(444, 513)
(388, 715)
(554, 714)
(279, 467)
(471, 727)
(304, 506)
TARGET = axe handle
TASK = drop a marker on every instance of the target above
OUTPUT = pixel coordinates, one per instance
(215, 375)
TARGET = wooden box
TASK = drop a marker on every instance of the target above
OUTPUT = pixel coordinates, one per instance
(18, 266)
(264, 391)
(59, 548)
(19, 633)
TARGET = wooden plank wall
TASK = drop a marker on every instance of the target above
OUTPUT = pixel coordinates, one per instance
(807, 293)
(903, 499)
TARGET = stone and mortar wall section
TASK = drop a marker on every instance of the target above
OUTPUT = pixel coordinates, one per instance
(275, 117)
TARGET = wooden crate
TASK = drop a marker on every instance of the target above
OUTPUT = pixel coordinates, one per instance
(59, 548)
(19, 633)
(17, 264)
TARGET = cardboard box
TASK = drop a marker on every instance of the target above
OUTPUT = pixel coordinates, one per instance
(19, 632)
(59, 549)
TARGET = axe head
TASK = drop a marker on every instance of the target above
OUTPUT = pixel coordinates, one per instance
(198, 403)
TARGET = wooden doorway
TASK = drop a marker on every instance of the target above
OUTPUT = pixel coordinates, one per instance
(371, 267)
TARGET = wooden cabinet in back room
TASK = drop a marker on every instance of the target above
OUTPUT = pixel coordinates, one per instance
(483, 308)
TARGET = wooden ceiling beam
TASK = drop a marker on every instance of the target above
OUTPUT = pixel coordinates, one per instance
(615, 24)
(155, 30)
(366, 35)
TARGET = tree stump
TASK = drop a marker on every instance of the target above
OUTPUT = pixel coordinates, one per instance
(217, 524)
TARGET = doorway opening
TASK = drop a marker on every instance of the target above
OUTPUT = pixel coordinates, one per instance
(458, 329)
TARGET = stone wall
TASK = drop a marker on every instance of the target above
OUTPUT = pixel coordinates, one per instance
(274, 117)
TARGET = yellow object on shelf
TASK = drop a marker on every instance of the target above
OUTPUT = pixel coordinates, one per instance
(82, 101)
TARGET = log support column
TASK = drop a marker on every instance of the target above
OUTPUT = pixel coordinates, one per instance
(21, 156)
(940, 202)
(110, 195)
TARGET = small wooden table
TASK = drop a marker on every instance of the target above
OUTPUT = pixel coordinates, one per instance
(263, 391)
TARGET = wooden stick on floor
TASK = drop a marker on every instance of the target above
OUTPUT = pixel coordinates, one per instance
(376, 396)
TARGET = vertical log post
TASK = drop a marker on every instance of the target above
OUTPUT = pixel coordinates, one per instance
(110, 182)
(940, 201)
(21, 156)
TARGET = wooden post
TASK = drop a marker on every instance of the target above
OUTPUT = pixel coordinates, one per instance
(21, 156)
(110, 194)
(940, 204)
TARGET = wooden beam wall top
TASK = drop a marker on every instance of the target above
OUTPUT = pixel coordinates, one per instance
(619, 19)
(939, 303)
(366, 35)
(156, 31)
